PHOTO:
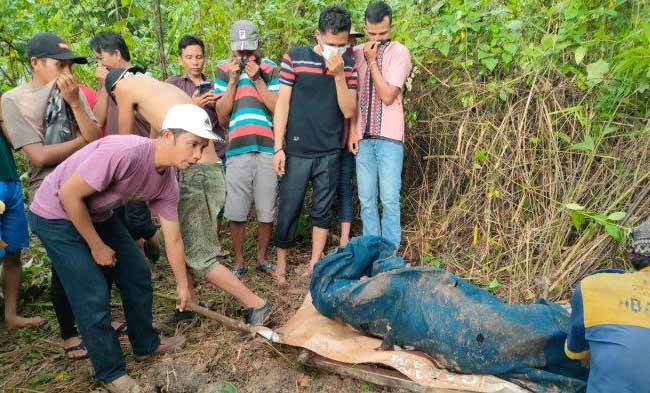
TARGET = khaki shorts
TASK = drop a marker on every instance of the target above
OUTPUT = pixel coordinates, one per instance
(202, 195)
(250, 178)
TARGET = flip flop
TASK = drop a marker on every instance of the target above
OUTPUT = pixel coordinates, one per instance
(121, 330)
(265, 268)
(240, 271)
(79, 347)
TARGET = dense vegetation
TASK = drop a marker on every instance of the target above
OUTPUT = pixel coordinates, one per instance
(527, 143)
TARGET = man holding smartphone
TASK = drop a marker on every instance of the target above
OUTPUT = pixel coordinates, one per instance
(191, 56)
(247, 87)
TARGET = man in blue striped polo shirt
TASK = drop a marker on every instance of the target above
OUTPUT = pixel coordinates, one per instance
(246, 88)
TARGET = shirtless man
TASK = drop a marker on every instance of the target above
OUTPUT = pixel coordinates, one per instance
(150, 97)
(134, 92)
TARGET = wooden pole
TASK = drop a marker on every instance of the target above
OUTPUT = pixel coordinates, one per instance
(161, 38)
(374, 375)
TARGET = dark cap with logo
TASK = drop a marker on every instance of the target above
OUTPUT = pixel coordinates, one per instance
(51, 46)
(116, 74)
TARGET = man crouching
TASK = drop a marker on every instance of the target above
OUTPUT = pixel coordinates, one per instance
(72, 214)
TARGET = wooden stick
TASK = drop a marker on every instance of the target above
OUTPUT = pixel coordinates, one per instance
(374, 375)
(222, 319)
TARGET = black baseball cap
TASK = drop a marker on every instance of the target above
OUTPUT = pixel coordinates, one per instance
(51, 46)
(116, 74)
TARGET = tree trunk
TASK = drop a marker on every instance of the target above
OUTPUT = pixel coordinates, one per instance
(161, 38)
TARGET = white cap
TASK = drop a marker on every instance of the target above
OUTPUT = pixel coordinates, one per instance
(190, 118)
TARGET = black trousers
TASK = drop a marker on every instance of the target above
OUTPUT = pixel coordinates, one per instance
(323, 173)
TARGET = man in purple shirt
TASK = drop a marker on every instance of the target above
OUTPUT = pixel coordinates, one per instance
(72, 214)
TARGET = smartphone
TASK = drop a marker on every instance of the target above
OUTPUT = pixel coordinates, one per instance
(205, 87)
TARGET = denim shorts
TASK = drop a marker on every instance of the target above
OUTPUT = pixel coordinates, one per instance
(14, 234)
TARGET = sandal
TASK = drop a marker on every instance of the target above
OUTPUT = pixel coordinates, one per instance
(121, 329)
(265, 268)
(240, 271)
(79, 347)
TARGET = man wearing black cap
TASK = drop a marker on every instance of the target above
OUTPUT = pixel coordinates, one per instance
(23, 109)
(610, 322)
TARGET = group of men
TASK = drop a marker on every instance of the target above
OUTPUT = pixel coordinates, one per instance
(103, 162)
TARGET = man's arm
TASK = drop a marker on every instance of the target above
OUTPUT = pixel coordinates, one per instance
(388, 85)
(41, 155)
(72, 195)
(269, 98)
(386, 92)
(69, 87)
(280, 119)
(176, 256)
(346, 97)
(224, 105)
(101, 107)
(125, 115)
(576, 346)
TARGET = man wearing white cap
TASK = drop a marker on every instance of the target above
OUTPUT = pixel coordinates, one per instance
(72, 214)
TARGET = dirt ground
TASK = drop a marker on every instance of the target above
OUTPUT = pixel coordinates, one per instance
(32, 360)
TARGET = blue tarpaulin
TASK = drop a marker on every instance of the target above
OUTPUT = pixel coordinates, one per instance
(462, 327)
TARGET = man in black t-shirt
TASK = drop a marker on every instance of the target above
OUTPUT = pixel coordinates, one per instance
(317, 92)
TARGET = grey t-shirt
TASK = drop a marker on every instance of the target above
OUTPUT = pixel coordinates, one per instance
(23, 109)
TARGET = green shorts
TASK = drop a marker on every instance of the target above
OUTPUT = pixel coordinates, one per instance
(202, 196)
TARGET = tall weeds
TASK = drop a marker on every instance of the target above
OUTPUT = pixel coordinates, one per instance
(485, 184)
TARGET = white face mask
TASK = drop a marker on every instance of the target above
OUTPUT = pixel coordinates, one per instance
(329, 51)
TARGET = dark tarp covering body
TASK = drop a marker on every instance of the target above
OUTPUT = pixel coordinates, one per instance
(462, 327)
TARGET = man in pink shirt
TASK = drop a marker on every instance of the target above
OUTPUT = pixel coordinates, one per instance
(377, 135)
(72, 214)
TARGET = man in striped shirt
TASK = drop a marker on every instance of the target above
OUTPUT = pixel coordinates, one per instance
(317, 92)
(246, 88)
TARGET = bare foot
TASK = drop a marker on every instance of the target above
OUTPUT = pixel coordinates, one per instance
(74, 349)
(307, 272)
(280, 279)
(18, 322)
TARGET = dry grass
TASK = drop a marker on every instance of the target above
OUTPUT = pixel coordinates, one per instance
(484, 185)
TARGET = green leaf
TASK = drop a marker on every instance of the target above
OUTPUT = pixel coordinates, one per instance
(437, 7)
(578, 219)
(494, 284)
(563, 137)
(228, 388)
(443, 47)
(580, 54)
(490, 63)
(615, 232)
(573, 206)
(514, 25)
(616, 216)
(511, 48)
(586, 145)
(480, 155)
(596, 71)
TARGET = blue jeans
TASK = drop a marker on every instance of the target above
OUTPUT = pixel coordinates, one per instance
(346, 172)
(87, 290)
(379, 174)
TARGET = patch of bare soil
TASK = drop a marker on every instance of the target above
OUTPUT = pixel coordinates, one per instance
(214, 360)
